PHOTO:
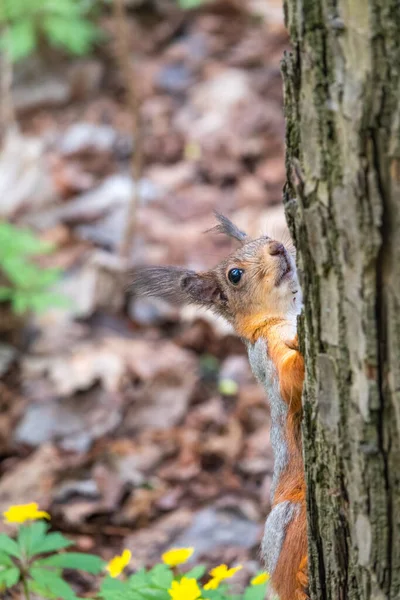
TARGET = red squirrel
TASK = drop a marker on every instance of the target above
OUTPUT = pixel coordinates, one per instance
(257, 290)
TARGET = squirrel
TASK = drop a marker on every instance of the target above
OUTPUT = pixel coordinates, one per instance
(256, 289)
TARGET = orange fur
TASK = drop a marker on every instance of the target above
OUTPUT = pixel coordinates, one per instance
(290, 578)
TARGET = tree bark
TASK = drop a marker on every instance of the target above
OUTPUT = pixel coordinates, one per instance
(342, 201)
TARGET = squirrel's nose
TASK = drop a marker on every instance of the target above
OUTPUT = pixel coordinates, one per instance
(276, 248)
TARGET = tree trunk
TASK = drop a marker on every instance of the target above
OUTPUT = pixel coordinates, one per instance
(342, 201)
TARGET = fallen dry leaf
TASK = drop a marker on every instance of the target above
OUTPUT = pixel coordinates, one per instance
(152, 407)
(31, 480)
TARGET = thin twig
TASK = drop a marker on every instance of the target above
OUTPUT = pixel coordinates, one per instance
(128, 73)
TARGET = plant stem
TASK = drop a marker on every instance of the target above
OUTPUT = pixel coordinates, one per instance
(26, 588)
(133, 102)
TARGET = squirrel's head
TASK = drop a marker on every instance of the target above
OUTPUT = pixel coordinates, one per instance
(255, 283)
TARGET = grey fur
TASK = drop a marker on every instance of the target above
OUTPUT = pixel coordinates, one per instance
(275, 530)
(162, 282)
(284, 512)
(264, 369)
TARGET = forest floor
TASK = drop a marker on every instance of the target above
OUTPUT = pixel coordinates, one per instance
(136, 424)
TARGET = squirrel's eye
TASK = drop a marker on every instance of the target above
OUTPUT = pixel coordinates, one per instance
(235, 275)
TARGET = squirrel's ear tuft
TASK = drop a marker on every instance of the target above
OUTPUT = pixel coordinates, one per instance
(161, 282)
(226, 227)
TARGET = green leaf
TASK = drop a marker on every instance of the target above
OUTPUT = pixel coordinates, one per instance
(9, 577)
(23, 301)
(111, 587)
(187, 4)
(5, 293)
(219, 594)
(112, 584)
(28, 284)
(20, 302)
(195, 573)
(139, 580)
(74, 560)
(75, 35)
(27, 275)
(40, 590)
(21, 273)
(24, 539)
(66, 8)
(48, 277)
(9, 546)
(29, 536)
(154, 594)
(161, 576)
(62, 22)
(5, 561)
(52, 582)
(52, 542)
(44, 300)
(21, 241)
(20, 39)
(118, 595)
(9, 9)
(255, 592)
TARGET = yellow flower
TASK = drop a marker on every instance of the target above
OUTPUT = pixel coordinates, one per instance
(260, 578)
(219, 574)
(185, 589)
(177, 556)
(118, 563)
(19, 513)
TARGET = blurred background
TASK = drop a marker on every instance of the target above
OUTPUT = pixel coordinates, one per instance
(123, 126)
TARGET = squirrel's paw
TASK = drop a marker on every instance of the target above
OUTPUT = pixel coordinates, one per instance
(300, 595)
(302, 580)
(293, 344)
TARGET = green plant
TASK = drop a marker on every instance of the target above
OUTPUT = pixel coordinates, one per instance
(24, 284)
(35, 560)
(62, 23)
(163, 583)
(187, 4)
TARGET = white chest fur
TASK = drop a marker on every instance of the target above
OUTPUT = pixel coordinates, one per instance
(283, 512)
(264, 370)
